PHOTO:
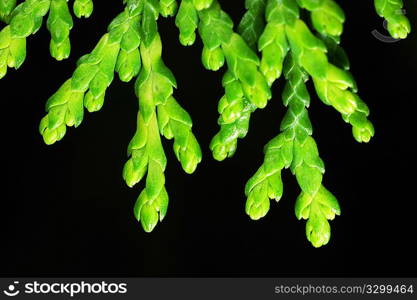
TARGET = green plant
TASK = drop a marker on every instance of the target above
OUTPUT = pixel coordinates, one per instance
(131, 47)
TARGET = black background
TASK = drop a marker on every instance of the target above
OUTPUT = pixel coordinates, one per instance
(67, 211)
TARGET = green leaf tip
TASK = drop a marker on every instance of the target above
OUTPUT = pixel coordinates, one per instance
(392, 11)
(168, 8)
(83, 8)
(202, 4)
(149, 211)
(317, 210)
